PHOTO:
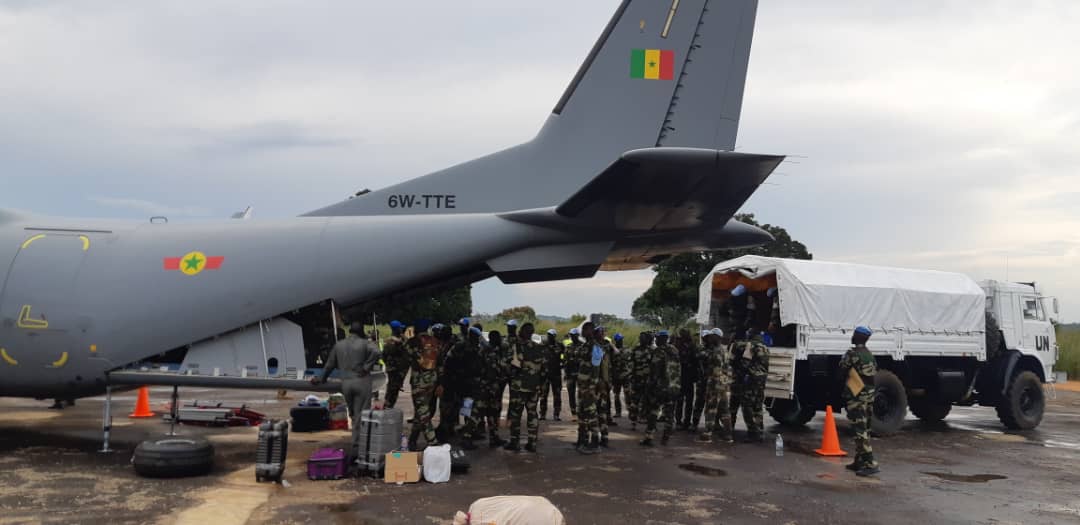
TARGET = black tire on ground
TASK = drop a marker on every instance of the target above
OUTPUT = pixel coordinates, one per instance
(929, 408)
(790, 412)
(173, 457)
(890, 403)
(1024, 402)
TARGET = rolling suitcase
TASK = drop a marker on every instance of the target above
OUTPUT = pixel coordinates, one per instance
(272, 450)
(326, 463)
(380, 432)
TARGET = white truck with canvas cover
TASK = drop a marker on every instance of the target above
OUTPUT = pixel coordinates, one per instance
(940, 338)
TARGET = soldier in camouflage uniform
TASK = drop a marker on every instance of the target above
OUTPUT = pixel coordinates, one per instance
(717, 374)
(570, 369)
(494, 371)
(663, 389)
(553, 381)
(424, 379)
(527, 368)
(689, 368)
(467, 353)
(396, 359)
(857, 369)
(453, 379)
(603, 386)
(620, 377)
(589, 363)
(509, 345)
(639, 378)
(750, 364)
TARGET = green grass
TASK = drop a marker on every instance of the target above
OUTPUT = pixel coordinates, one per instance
(1069, 360)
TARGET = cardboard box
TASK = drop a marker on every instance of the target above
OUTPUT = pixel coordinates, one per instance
(402, 467)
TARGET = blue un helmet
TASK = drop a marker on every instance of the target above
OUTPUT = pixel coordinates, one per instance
(464, 321)
(861, 336)
(618, 337)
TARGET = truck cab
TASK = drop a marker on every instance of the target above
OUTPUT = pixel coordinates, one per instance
(1024, 318)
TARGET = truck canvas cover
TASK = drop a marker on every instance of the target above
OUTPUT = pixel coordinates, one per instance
(833, 295)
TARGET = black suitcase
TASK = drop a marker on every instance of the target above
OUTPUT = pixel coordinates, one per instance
(459, 462)
(272, 450)
(310, 419)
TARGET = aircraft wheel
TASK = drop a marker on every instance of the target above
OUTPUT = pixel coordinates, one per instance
(173, 457)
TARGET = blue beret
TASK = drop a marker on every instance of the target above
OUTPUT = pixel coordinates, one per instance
(575, 331)
(618, 337)
(739, 290)
(422, 324)
(864, 331)
(475, 330)
(512, 322)
(662, 333)
(396, 325)
(464, 321)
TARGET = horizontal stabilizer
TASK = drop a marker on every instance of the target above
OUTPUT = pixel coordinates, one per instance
(663, 189)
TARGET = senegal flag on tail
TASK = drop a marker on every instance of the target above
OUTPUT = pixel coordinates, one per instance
(652, 64)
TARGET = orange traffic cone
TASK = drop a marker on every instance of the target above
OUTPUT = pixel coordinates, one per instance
(142, 405)
(830, 441)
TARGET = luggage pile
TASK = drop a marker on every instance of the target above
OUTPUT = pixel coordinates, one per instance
(380, 433)
(310, 416)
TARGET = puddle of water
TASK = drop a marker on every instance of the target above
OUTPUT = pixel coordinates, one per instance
(799, 448)
(703, 470)
(974, 478)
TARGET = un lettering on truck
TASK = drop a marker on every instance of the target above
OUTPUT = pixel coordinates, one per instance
(940, 339)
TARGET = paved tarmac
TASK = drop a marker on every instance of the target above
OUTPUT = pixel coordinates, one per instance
(966, 470)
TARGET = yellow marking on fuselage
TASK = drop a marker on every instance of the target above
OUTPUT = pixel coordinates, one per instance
(93, 349)
(25, 321)
(7, 358)
(85, 242)
(62, 361)
(32, 239)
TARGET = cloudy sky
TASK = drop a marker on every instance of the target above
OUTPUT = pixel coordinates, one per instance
(926, 134)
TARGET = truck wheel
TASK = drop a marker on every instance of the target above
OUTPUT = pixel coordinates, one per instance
(1024, 402)
(890, 403)
(929, 409)
(173, 457)
(790, 412)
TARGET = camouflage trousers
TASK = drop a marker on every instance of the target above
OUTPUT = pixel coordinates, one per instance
(586, 410)
(718, 409)
(701, 396)
(523, 401)
(483, 415)
(618, 391)
(553, 385)
(653, 408)
(859, 412)
(571, 392)
(449, 412)
(395, 379)
(635, 404)
(603, 409)
(423, 411)
(751, 397)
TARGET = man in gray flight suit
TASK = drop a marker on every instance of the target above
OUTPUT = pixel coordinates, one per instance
(356, 356)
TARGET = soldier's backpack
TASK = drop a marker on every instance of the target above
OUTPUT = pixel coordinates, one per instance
(672, 378)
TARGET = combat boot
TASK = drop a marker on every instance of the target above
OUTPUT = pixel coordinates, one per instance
(754, 438)
(495, 442)
(647, 442)
(594, 443)
(726, 437)
(531, 446)
(467, 444)
(853, 466)
(556, 418)
(604, 443)
(513, 446)
(867, 471)
(665, 437)
(704, 437)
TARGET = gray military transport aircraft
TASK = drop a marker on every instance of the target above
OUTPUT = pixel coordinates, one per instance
(634, 164)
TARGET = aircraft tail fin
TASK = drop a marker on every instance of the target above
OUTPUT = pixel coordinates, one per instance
(663, 73)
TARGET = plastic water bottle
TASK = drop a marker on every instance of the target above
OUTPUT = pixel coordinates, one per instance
(779, 446)
(404, 442)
